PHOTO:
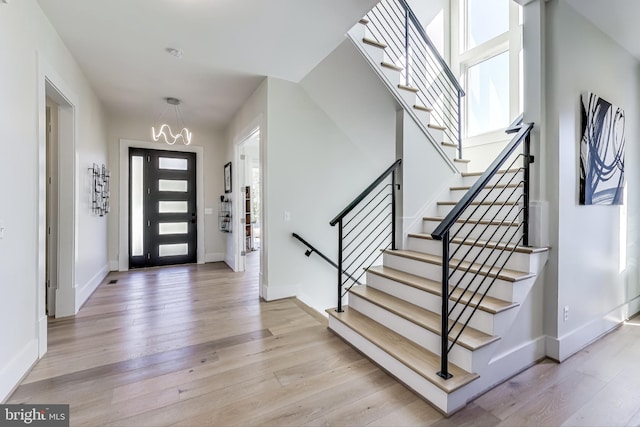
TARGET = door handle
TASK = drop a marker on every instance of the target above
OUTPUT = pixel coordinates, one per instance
(193, 221)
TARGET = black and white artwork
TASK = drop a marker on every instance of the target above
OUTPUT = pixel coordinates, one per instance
(601, 152)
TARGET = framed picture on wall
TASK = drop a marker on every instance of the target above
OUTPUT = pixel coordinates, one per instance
(227, 178)
(601, 152)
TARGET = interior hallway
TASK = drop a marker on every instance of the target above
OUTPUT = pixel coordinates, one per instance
(194, 346)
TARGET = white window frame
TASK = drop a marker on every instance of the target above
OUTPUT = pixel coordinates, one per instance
(462, 59)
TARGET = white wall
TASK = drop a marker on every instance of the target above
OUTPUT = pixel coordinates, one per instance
(586, 241)
(212, 142)
(25, 33)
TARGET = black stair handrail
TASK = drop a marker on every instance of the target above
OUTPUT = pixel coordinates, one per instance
(366, 232)
(482, 182)
(432, 47)
(365, 193)
(476, 271)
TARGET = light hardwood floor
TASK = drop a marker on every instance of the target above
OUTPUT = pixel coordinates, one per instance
(194, 346)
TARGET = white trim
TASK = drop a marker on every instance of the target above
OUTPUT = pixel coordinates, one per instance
(113, 265)
(272, 293)
(50, 83)
(258, 123)
(214, 257)
(123, 214)
(17, 368)
(566, 346)
(84, 292)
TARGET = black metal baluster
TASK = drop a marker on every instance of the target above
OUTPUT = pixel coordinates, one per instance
(340, 266)
(444, 332)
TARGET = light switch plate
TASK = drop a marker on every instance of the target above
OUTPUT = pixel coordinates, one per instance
(208, 211)
(1, 229)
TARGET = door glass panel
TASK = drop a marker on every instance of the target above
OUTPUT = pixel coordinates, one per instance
(172, 163)
(173, 228)
(488, 95)
(137, 205)
(173, 250)
(172, 185)
(172, 207)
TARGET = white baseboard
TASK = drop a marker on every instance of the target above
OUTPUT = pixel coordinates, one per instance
(17, 368)
(85, 291)
(114, 265)
(569, 344)
(309, 302)
(43, 333)
(214, 257)
(271, 293)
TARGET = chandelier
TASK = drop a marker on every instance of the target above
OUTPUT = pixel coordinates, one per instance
(164, 130)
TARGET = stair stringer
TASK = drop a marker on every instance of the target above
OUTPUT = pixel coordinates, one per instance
(356, 34)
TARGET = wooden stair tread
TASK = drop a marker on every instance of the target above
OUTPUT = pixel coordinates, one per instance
(423, 108)
(502, 171)
(372, 42)
(419, 359)
(436, 127)
(489, 245)
(474, 221)
(391, 66)
(462, 160)
(409, 88)
(471, 339)
(489, 304)
(449, 144)
(505, 274)
(468, 187)
(363, 21)
(476, 203)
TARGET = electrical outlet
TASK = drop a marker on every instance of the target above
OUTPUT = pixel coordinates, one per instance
(566, 313)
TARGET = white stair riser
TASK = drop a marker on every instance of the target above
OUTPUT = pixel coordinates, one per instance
(423, 337)
(501, 289)
(518, 261)
(507, 194)
(452, 152)
(494, 213)
(470, 232)
(481, 320)
(438, 135)
(445, 403)
(408, 96)
(502, 178)
(391, 74)
(462, 166)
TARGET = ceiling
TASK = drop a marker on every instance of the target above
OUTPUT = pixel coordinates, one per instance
(617, 18)
(229, 46)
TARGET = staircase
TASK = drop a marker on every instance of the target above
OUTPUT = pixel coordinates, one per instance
(467, 269)
(395, 319)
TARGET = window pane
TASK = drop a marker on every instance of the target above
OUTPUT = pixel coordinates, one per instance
(172, 185)
(172, 228)
(486, 20)
(173, 250)
(171, 163)
(172, 207)
(137, 205)
(488, 95)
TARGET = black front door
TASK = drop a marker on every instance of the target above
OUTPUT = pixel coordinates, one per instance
(162, 208)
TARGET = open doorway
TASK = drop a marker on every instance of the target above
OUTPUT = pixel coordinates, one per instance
(51, 238)
(249, 195)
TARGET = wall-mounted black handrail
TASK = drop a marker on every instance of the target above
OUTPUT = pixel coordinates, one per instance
(365, 193)
(369, 230)
(481, 183)
(312, 249)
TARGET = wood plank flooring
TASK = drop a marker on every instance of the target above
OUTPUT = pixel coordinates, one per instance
(194, 346)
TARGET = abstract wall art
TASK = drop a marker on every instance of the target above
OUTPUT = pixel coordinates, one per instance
(601, 152)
